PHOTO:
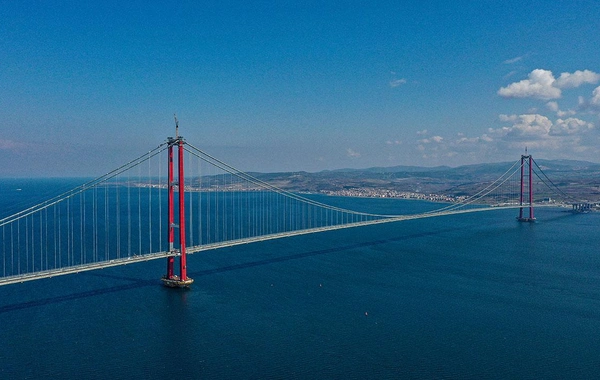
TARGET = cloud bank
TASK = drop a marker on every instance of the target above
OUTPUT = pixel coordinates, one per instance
(542, 84)
(557, 130)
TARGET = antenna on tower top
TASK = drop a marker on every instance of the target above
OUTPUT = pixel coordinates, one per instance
(176, 126)
(525, 147)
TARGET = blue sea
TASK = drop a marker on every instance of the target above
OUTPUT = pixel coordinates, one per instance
(478, 296)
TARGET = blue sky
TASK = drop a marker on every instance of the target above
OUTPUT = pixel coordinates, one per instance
(287, 86)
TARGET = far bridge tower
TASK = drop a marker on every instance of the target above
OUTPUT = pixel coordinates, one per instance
(526, 186)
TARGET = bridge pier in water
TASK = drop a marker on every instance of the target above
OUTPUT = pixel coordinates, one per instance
(529, 160)
(170, 279)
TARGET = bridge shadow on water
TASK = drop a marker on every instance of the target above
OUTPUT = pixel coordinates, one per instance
(136, 283)
(75, 296)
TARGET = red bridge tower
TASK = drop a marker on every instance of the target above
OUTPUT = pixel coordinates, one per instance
(171, 279)
(526, 159)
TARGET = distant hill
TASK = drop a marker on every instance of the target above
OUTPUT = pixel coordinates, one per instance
(498, 167)
(582, 176)
(394, 169)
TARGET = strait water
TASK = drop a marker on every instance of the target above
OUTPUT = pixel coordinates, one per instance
(476, 296)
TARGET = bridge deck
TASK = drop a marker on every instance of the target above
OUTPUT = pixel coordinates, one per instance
(194, 249)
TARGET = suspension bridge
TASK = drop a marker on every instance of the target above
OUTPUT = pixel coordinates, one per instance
(142, 211)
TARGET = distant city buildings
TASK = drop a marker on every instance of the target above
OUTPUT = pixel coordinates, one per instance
(367, 192)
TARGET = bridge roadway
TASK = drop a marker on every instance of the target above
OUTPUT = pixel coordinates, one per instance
(230, 243)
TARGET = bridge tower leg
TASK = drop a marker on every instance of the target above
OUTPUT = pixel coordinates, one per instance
(529, 160)
(171, 214)
(182, 258)
(171, 279)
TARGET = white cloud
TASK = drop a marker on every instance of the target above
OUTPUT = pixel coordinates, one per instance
(485, 138)
(468, 140)
(592, 105)
(539, 85)
(552, 106)
(567, 137)
(436, 139)
(525, 127)
(422, 133)
(570, 126)
(512, 60)
(595, 101)
(539, 132)
(561, 137)
(567, 80)
(397, 82)
(352, 153)
(565, 113)
(393, 142)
